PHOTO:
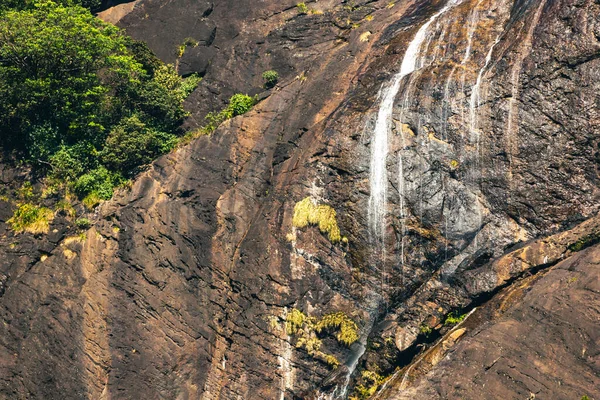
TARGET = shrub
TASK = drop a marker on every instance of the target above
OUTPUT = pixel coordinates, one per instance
(31, 218)
(83, 223)
(302, 8)
(454, 318)
(99, 183)
(425, 330)
(240, 104)
(271, 78)
(70, 87)
(131, 144)
(189, 84)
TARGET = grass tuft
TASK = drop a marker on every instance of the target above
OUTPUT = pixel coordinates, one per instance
(308, 212)
(31, 218)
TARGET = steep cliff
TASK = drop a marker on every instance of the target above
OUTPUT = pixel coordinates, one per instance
(457, 143)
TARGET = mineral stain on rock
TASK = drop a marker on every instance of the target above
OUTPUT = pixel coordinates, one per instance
(182, 286)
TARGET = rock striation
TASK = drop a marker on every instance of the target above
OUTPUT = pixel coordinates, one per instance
(182, 287)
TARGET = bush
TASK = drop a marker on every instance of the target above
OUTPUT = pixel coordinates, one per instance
(83, 223)
(131, 144)
(454, 318)
(99, 183)
(30, 218)
(302, 8)
(271, 78)
(240, 104)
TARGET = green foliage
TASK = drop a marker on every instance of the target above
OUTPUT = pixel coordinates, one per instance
(308, 212)
(585, 242)
(24, 4)
(238, 104)
(271, 78)
(83, 223)
(99, 183)
(454, 318)
(189, 84)
(425, 330)
(302, 8)
(585, 397)
(79, 100)
(132, 143)
(187, 42)
(31, 218)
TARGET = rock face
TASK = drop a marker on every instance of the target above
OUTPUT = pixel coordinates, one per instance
(182, 287)
(526, 348)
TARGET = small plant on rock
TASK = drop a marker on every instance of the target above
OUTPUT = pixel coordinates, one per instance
(302, 8)
(31, 218)
(454, 318)
(271, 78)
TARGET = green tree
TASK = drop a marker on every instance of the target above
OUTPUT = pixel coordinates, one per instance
(60, 67)
(132, 143)
(79, 99)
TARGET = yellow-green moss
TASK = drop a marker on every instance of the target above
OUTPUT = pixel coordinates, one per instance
(294, 321)
(348, 330)
(373, 381)
(306, 329)
(308, 212)
(91, 201)
(30, 218)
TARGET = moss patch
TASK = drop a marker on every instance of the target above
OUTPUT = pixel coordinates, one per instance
(307, 330)
(308, 212)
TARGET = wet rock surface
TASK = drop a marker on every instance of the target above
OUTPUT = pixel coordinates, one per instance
(182, 287)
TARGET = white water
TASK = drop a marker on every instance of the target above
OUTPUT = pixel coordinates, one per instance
(475, 101)
(379, 145)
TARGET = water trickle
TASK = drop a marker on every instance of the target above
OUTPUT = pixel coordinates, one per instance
(475, 100)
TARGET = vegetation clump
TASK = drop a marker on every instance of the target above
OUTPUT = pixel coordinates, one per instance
(585, 242)
(348, 331)
(454, 318)
(373, 380)
(308, 212)
(308, 329)
(425, 330)
(84, 104)
(238, 104)
(31, 218)
(302, 8)
(271, 78)
(187, 42)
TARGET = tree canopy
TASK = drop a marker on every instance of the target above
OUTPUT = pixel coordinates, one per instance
(77, 97)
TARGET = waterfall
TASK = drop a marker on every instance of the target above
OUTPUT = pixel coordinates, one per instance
(475, 100)
(379, 145)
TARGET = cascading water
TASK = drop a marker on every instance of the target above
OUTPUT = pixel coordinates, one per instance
(379, 146)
